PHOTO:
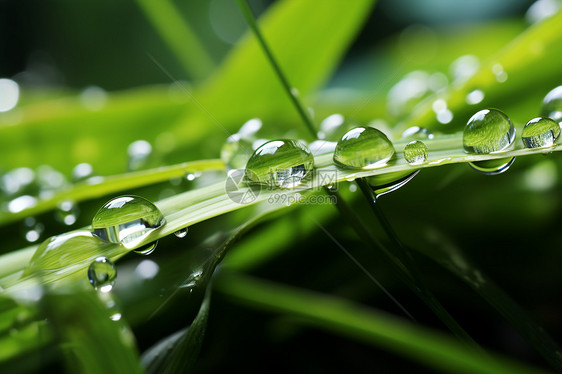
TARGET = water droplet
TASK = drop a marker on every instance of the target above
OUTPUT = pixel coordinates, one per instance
(57, 253)
(15, 181)
(417, 133)
(181, 233)
(102, 274)
(147, 249)
(487, 131)
(386, 183)
(282, 163)
(9, 94)
(363, 148)
(333, 127)
(444, 116)
(552, 105)
(492, 167)
(127, 220)
(415, 152)
(540, 132)
(138, 152)
(67, 213)
(474, 97)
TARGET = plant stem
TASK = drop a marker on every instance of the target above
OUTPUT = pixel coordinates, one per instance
(419, 288)
(293, 95)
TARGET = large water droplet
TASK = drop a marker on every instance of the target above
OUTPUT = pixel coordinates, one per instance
(281, 163)
(489, 130)
(57, 254)
(127, 220)
(415, 152)
(363, 148)
(540, 132)
(492, 167)
(417, 133)
(181, 233)
(552, 105)
(102, 274)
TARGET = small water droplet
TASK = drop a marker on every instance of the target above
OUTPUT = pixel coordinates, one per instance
(540, 132)
(363, 148)
(417, 133)
(146, 249)
(487, 131)
(474, 97)
(552, 105)
(415, 152)
(139, 152)
(492, 167)
(102, 274)
(181, 233)
(280, 163)
(386, 183)
(127, 220)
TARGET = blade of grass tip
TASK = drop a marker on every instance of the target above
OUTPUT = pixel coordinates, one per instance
(408, 260)
(431, 301)
(291, 91)
(179, 37)
(346, 318)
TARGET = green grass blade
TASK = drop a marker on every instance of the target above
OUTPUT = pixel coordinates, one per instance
(179, 36)
(178, 353)
(101, 186)
(363, 324)
(91, 341)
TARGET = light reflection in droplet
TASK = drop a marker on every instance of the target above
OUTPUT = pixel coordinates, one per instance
(9, 94)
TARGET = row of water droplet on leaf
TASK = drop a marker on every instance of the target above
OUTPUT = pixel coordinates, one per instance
(286, 163)
(125, 220)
